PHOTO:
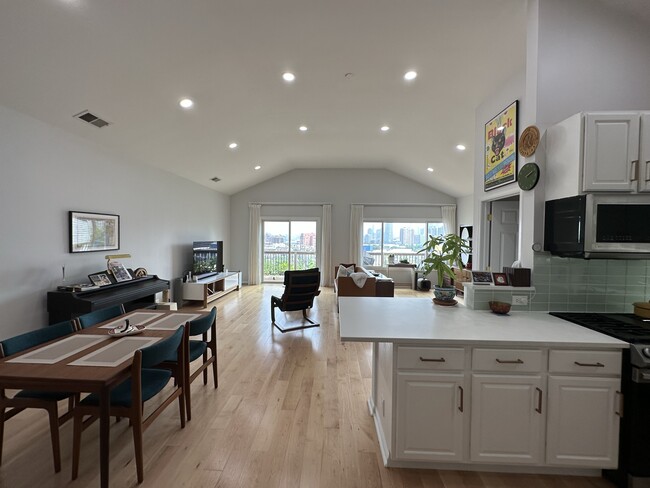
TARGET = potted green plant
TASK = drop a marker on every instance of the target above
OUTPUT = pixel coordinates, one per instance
(443, 252)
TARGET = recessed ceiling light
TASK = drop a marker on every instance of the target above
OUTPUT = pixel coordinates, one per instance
(460, 147)
(258, 167)
(288, 76)
(430, 170)
(233, 145)
(186, 103)
(303, 128)
(410, 75)
(384, 128)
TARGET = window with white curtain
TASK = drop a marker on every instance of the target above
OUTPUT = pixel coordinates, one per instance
(288, 245)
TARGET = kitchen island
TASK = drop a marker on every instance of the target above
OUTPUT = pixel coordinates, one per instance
(454, 388)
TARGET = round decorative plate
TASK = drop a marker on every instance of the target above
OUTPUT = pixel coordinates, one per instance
(528, 141)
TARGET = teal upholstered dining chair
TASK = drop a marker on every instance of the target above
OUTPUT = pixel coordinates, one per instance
(47, 400)
(92, 318)
(195, 349)
(127, 399)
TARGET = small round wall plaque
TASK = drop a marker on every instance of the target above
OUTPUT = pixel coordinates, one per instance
(528, 141)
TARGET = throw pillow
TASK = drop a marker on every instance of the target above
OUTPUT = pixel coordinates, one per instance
(343, 271)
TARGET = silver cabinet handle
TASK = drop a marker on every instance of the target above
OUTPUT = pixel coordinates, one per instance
(634, 170)
(435, 360)
(462, 398)
(538, 409)
(619, 410)
(647, 170)
(509, 361)
(592, 365)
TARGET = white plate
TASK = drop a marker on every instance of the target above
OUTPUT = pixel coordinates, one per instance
(135, 329)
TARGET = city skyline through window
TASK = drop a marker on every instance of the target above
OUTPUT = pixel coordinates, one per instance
(391, 242)
(288, 245)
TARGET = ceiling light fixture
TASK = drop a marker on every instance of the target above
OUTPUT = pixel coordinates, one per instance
(430, 170)
(460, 147)
(233, 145)
(186, 103)
(410, 75)
(384, 128)
(258, 167)
(303, 128)
(289, 77)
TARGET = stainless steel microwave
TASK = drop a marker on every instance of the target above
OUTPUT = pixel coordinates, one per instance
(598, 226)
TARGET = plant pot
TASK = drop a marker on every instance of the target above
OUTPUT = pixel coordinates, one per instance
(444, 293)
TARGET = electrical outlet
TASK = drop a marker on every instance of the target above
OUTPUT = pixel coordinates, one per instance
(519, 300)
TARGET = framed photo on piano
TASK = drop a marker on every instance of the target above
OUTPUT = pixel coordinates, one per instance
(119, 272)
(100, 279)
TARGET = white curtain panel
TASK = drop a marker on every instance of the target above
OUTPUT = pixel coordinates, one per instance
(449, 219)
(356, 234)
(326, 247)
(254, 243)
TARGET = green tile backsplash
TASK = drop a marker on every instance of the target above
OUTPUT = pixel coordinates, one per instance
(588, 285)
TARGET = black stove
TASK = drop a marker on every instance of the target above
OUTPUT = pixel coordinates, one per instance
(623, 326)
(634, 454)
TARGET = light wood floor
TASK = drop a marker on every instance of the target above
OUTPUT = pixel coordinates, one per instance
(290, 411)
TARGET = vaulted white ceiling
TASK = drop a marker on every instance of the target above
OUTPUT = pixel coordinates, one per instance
(130, 62)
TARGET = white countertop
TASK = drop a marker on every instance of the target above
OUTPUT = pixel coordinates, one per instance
(375, 319)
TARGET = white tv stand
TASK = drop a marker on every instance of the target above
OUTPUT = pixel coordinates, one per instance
(212, 287)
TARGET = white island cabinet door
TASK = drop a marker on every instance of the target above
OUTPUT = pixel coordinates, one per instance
(430, 410)
(582, 421)
(508, 418)
(611, 153)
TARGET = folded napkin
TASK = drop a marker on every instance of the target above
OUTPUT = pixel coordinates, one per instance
(359, 279)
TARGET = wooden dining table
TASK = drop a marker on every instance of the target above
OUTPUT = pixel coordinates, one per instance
(90, 361)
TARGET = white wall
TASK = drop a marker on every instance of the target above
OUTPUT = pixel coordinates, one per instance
(590, 57)
(46, 173)
(340, 187)
(513, 89)
(465, 211)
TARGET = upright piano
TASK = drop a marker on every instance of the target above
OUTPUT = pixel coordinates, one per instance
(138, 293)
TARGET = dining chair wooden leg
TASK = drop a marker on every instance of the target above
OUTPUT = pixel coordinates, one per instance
(186, 393)
(77, 423)
(214, 372)
(205, 371)
(53, 413)
(137, 443)
(2, 430)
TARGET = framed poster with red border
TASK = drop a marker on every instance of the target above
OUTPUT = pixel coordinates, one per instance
(500, 166)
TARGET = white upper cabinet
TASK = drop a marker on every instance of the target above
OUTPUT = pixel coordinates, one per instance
(598, 152)
(611, 147)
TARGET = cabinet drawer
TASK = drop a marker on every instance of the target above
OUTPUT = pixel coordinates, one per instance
(585, 362)
(430, 358)
(524, 360)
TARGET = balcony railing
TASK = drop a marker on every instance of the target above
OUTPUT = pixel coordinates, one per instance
(374, 258)
(277, 262)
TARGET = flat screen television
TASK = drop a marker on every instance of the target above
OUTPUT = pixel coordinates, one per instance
(207, 257)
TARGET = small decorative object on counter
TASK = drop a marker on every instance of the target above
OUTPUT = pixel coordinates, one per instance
(642, 309)
(500, 308)
(391, 259)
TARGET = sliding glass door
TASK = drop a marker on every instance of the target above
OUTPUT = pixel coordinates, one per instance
(288, 245)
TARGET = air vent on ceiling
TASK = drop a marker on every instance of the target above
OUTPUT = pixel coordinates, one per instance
(92, 119)
(215, 179)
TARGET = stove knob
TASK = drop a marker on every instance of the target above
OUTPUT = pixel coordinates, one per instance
(646, 352)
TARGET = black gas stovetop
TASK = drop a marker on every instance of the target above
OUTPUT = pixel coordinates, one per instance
(623, 326)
